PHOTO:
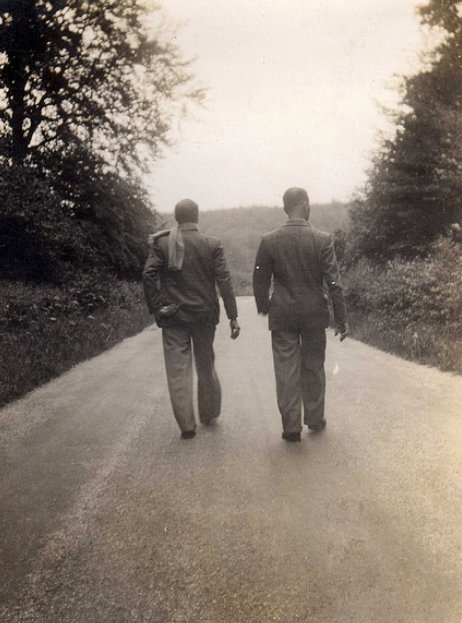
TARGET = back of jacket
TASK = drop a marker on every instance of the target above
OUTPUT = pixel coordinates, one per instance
(298, 261)
(193, 288)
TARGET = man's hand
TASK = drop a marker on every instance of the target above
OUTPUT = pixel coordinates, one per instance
(235, 329)
(342, 331)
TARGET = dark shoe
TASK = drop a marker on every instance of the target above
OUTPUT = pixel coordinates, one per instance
(188, 434)
(317, 428)
(291, 436)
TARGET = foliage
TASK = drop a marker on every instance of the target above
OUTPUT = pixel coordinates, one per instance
(44, 330)
(414, 191)
(80, 73)
(44, 238)
(412, 307)
(402, 253)
(87, 91)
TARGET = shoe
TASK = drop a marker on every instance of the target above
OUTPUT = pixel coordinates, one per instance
(317, 428)
(291, 436)
(211, 422)
(188, 434)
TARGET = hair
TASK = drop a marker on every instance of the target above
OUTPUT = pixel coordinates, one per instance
(186, 211)
(294, 198)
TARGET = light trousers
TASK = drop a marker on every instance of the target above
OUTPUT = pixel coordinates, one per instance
(300, 379)
(180, 343)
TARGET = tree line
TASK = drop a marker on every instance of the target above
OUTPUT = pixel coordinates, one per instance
(414, 188)
(403, 250)
(87, 92)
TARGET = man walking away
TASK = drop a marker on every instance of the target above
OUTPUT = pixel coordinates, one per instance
(180, 278)
(296, 260)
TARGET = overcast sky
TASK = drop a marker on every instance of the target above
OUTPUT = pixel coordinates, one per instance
(293, 94)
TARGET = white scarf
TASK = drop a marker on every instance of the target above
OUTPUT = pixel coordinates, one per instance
(175, 249)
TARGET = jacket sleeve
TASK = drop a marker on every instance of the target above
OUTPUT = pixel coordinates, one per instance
(331, 276)
(262, 274)
(151, 274)
(223, 280)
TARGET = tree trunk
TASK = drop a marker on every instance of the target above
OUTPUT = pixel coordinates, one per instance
(23, 27)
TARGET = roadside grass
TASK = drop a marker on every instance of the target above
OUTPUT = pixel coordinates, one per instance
(426, 344)
(411, 308)
(45, 330)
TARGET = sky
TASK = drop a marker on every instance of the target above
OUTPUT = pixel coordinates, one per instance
(294, 96)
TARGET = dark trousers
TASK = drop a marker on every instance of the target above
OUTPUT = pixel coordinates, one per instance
(180, 343)
(299, 368)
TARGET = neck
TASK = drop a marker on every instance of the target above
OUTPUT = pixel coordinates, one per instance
(297, 215)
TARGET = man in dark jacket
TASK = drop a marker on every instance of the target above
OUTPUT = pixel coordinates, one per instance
(297, 261)
(180, 278)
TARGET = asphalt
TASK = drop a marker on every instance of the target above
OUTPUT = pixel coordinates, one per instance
(108, 516)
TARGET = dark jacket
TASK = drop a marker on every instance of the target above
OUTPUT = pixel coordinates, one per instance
(193, 288)
(298, 261)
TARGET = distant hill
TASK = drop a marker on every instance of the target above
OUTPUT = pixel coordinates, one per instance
(240, 230)
(261, 219)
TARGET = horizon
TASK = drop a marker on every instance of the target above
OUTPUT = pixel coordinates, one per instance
(317, 205)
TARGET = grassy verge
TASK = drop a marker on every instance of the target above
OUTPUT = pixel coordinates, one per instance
(411, 308)
(45, 330)
(427, 344)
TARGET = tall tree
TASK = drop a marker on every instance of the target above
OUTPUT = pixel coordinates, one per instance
(85, 72)
(87, 92)
(414, 191)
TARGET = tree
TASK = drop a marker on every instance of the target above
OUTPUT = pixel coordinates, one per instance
(414, 190)
(81, 72)
(86, 99)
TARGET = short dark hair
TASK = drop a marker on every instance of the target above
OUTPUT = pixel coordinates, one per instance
(186, 211)
(294, 197)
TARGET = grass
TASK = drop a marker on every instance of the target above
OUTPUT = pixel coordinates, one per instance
(412, 308)
(45, 330)
(417, 342)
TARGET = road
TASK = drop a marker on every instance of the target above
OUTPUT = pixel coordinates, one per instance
(108, 516)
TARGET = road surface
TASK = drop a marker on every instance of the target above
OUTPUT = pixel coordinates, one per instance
(108, 516)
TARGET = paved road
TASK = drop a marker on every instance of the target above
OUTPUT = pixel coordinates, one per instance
(107, 516)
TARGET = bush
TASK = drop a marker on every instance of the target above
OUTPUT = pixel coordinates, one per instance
(44, 237)
(412, 308)
(44, 330)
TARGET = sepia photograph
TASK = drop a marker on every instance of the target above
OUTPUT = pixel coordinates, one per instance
(230, 311)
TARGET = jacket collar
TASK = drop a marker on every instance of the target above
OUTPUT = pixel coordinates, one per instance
(188, 227)
(297, 222)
